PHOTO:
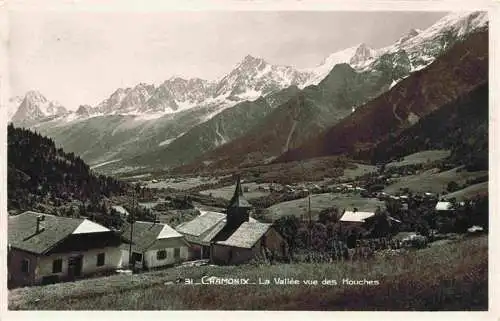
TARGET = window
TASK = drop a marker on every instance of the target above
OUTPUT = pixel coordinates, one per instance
(25, 266)
(57, 266)
(136, 257)
(177, 252)
(100, 259)
(161, 255)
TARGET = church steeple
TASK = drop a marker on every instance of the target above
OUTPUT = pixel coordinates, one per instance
(238, 200)
(238, 191)
(238, 210)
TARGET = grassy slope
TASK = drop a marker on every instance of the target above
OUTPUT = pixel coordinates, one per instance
(453, 276)
(429, 181)
(227, 192)
(469, 192)
(421, 158)
(320, 202)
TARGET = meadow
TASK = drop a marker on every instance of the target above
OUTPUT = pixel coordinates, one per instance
(448, 277)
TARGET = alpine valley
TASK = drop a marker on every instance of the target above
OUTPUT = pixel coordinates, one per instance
(253, 114)
(360, 184)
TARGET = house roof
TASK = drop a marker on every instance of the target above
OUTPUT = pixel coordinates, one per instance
(350, 216)
(145, 234)
(120, 209)
(202, 223)
(22, 231)
(205, 227)
(246, 235)
(444, 206)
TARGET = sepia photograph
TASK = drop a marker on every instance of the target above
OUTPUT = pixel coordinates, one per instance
(272, 160)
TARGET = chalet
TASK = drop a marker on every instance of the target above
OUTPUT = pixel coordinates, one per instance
(443, 206)
(45, 248)
(368, 221)
(232, 238)
(153, 244)
(355, 217)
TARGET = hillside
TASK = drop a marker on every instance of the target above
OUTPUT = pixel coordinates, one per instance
(150, 127)
(299, 119)
(461, 126)
(424, 280)
(456, 73)
(41, 174)
(223, 127)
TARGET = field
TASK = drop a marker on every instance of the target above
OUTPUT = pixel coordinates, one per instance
(320, 202)
(453, 276)
(182, 183)
(421, 158)
(469, 192)
(362, 169)
(227, 192)
(430, 181)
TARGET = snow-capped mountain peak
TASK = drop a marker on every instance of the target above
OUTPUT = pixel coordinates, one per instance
(322, 70)
(363, 55)
(410, 34)
(35, 97)
(253, 76)
(252, 62)
(34, 106)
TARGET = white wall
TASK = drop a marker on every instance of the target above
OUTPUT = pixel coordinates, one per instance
(124, 258)
(112, 259)
(152, 262)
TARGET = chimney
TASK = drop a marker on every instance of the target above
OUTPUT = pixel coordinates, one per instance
(40, 226)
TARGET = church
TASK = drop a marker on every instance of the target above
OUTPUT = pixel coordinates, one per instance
(233, 237)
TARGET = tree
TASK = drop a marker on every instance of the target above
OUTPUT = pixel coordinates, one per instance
(288, 227)
(452, 187)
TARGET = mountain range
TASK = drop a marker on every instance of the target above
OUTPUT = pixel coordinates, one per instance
(303, 129)
(276, 108)
(458, 72)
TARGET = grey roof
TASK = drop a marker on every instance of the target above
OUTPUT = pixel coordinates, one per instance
(204, 228)
(146, 234)
(201, 224)
(23, 236)
(211, 234)
(247, 235)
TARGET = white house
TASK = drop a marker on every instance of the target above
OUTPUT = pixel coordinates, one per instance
(154, 245)
(359, 218)
(44, 248)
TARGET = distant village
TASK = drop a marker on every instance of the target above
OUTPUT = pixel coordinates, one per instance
(44, 248)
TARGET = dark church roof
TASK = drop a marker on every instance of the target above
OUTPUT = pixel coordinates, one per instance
(238, 200)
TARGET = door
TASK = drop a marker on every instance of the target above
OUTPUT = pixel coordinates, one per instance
(137, 260)
(75, 266)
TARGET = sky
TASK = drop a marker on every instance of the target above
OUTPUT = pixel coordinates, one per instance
(80, 58)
